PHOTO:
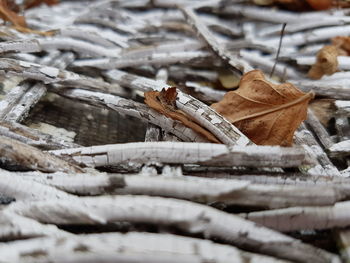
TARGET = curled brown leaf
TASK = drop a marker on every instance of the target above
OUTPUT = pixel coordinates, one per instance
(165, 103)
(9, 12)
(343, 45)
(266, 113)
(326, 62)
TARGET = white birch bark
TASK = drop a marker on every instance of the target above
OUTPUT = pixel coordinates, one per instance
(21, 189)
(153, 133)
(310, 36)
(343, 107)
(337, 89)
(79, 46)
(154, 59)
(278, 16)
(16, 154)
(320, 131)
(342, 126)
(340, 149)
(89, 36)
(33, 137)
(204, 93)
(342, 184)
(59, 43)
(52, 75)
(187, 216)
(13, 227)
(298, 218)
(195, 153)
(324, 167)
(266, 64)
(135, 109)
(141, 247)
(203, 190)
(237, 63)
(19, 101)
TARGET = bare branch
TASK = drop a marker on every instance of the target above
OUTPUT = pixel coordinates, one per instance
(196, 153)
(187, 216)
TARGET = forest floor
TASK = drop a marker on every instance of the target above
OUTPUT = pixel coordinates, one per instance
(174, 131)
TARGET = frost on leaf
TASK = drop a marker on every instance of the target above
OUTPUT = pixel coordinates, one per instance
(326, 62)
(266, 113)
(165, 103)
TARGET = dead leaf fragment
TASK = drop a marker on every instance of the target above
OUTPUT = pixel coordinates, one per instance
(266, 113)
(320, 4)
(343, 45)
(7, 14)
(326, 62)
(33, 3)
(165, 103)
(324, 109)
(303, 5)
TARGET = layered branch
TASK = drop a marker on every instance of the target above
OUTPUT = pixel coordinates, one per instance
(298, 218)
(203, 190)
(129, 247)
(15, 154)
(181, 153)
(187, 216)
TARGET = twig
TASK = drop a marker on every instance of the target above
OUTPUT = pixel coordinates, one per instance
(17, 154)
(195, 153)
(52, 75)
(234, 61)
(278, 50)
(33, 137)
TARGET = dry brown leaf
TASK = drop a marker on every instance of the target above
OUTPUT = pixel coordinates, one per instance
(326, 62)
(33, 3)
(324, 109)
(266, 113)
(302, 5)
(7, 14)
(165, 103)
(343, 45)
(320, 4)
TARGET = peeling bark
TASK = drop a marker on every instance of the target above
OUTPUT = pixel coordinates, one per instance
(189, 217)
(297, 218)
(138, 247)
(195, 153)
(16, 154)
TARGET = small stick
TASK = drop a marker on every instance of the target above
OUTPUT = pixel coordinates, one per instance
(279, 48)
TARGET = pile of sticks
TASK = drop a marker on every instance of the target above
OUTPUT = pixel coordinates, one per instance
(174, 197)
